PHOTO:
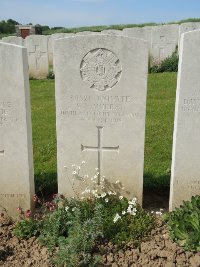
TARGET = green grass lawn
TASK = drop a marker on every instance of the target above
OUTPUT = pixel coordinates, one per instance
(158, 141)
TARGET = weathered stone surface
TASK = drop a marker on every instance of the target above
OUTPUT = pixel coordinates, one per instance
(101, 101)
(37, 56)
(114, 32)
(185, 177)
(51, 40)
(139, 32)
(16, 160)
(13, 40)
(188, 26)
(164, 40)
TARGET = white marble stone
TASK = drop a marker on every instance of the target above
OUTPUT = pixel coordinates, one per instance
(185, 175)
(37, 56)
(51, 40)
(164, 40)
(86, 33)
(13, 40)
(101, 84)
(139, 32)
(16, 156)
(114, 32)
(188, 26)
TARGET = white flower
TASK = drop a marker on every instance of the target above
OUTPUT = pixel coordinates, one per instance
(74, 172)
(95, 176)
(94, 192)
(78, 167)
(117, 182)
(73, 209)
(123, 212)
(114, 193)
(82, 198)
(116, 218)
(102, 179)
(66, 208)
(121, 197)
(152, 211)
(106, 200)
(109, 192)
(86, 176)
(103, 195)
(96, 169)
(83, 162)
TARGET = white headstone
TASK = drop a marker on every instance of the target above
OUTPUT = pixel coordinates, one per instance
(51, 40)
(37, 56)
(16, 158)
(185, 176)
(115, 32)
(164, 40)
(139, 32)
(86, 33)
(101, 83)
(188, 26)
(13, 40)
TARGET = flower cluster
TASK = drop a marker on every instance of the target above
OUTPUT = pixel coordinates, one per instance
(130, 210)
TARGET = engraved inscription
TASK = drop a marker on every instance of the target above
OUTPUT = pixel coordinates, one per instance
(101, 69)
(13, 195)
(100, 149)
(8, 113)
(191, 105)
(190, 186)
(99, 109)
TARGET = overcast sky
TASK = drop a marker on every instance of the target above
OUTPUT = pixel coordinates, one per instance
(73, 13)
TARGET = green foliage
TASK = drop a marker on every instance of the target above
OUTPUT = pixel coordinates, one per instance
(27, 228)
(51, 74)
(75, 226)
(76, 249)
(8, 26)
(169, 64)
(184, 224)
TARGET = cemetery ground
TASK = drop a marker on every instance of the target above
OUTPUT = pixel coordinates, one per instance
(155, 250)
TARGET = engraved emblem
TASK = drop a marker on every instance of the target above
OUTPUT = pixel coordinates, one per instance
(101, 69)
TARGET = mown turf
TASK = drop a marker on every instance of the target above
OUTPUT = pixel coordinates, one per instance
(159, 131)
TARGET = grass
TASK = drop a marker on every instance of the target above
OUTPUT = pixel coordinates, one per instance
(158, 141)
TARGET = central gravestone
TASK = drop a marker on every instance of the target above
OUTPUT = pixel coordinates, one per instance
(101, 83)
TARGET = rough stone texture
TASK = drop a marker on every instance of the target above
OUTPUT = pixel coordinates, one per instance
(139, 32)
(51, 40)
(164, 40)
(37, 56)
(101, 102)
(115, 32)
(16, 160)
(13, 40)
(185, 177)
(188, 26)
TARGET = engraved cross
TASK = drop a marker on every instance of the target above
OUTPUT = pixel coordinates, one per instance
(100, 149)
(38, 54)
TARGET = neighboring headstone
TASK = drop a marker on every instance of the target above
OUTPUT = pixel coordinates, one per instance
(114, 32)
(37, 56)
(86, 33)
(13, 40)
(139, 32)
(51, 40)
(101, 84)
(185, 177)
(188, 26)
(164, 40)
(16, 156)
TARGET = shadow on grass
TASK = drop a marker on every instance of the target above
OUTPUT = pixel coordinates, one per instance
(156, 192)
(46, 184)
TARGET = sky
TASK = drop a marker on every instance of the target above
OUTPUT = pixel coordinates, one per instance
(76, 13)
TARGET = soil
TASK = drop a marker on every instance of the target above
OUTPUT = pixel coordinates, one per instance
(156, 251)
